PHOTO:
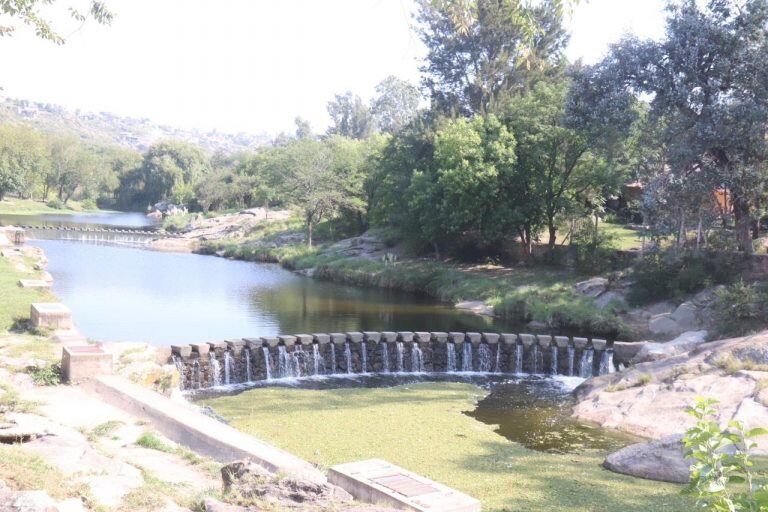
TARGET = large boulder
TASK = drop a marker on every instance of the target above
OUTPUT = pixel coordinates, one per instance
(685, 342)
(663, 323)
(687, 316)
(248, 480)
(592, 287)
(660, 460)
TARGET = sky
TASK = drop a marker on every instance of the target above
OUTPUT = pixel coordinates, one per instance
(252, 65)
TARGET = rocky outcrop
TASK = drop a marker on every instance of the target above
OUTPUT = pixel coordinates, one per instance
(687, 341)
(649, 399)
(246, 482)
(661, 460)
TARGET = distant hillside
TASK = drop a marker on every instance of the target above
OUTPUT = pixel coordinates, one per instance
(103, 127)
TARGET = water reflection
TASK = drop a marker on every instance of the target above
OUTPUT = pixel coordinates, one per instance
(128, 294)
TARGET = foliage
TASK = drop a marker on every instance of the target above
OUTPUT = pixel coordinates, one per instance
(741, 308)
(722, 478)
(48, 375)
(592, 248)
(395, 105)
(29, 12)
(350, 117)
(661, 275)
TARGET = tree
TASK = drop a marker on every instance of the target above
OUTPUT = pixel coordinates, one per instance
(29, 13)
(708, 83)
(350, 117)
(395, 104)
(463, 199)
(303, 128)
(490, 51)
(23, 156)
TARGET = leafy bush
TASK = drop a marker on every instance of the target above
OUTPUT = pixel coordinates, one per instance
(741, 308)
(664, 275)
(722, 478)
(88, 204)
(592, 249)
(56, 203)
(48, 375)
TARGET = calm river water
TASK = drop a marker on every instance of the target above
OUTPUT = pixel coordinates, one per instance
(119, 293)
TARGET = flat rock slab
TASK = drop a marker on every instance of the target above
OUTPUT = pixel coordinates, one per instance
(660, 460)
(378, 481)
(52, 315)
(34, 283)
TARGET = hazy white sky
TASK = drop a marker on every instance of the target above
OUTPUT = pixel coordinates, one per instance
(253, 65)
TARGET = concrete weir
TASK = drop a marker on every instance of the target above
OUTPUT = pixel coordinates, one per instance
(205, 365)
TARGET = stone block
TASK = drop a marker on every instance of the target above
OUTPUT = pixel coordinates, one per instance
(50, 315)
(491, 338)
(34, 283)
(200, 348)
(422, 336)
(183, 351)
(338, 338)
(509, 339)
(236, 346)
(599, 344)
(624, 351)
(580, 342)
(287, 340)
(218, 345)
(372, 336)
(544, 340)
(474, 337)
(457, 337)
(355, 337)
(322, 339)
(304, 339)
(389, 336)
(270, 341)
(562, 341)
(405, 336)
(379, 482)
(80, 363)
(527, 339)
(440, 337)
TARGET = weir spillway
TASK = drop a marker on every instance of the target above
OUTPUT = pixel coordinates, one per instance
(206, 365)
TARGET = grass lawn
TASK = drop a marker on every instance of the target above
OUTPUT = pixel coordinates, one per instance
(623, 237)
(15, 300)
(16, 206)
(421, 427)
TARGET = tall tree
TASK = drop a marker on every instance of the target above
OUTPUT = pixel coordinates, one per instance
(708, 82)
(350, 116)
(30, 13)
(500, 49)
(395, 104)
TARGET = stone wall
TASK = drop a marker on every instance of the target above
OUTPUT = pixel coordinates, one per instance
(230, 362)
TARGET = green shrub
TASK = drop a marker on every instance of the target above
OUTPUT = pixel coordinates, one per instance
(89, 204)
(48, 375)
(55, 203)
(722, 478)
(592, 249)
(740, 308)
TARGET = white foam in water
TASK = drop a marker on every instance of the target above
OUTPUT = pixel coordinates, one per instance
(265, 351)
(585, 369)
(519, 358)
(348, 357)
(417, 363)
(466, 357)
(317, 359)
(451, 357)
(228, 366)
(364, 357)
(571, 354)
(333, 358)
(484, 358)
(385, 357)
(497, 368)
(400, 367)
(215, 369)
(248, 372)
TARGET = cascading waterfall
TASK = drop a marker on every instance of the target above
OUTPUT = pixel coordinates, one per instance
(364, 357)
(417, 362)
(215, 369)
(333, 359)
(228, 367)
(179, 368)
(553, 360)
(385, 357)
(283, 362)
(606, 362)
(519, 358)
(317, 360)
(571, 355)
(585, 370)
(248, 371)
(399, 346)
(484, 358)
(297, 357)
(497, 364)
(451, 355)
(197, 379)
(466, 357)
(268, 370)
(535, 358)
(348, 357)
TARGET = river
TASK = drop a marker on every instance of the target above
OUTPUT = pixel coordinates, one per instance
(119, 293)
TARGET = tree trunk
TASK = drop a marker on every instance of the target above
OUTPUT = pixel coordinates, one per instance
(552, 233)
(309, 233)
(743, 224)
